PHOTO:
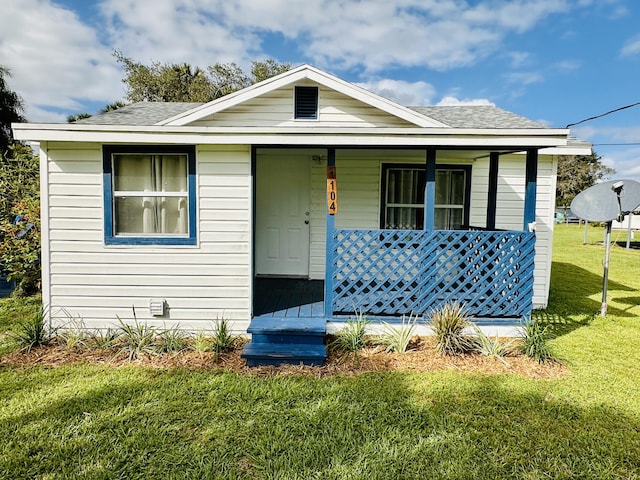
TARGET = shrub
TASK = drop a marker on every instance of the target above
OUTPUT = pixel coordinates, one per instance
(32, 332)
(448, 324)
(20, 219)
(535, 341)
(397, 338)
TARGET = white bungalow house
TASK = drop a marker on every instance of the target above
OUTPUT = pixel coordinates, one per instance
(298, 199)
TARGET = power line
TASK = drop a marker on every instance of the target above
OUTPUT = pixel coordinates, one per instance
(603, 114)
(615, 144)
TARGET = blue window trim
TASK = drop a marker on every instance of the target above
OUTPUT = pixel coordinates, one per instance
(107, 185)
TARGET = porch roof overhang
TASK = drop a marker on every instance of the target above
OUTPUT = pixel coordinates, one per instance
(299, 136)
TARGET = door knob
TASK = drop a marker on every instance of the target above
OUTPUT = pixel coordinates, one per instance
(306, 222)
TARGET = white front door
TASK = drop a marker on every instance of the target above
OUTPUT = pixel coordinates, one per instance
(282, 216)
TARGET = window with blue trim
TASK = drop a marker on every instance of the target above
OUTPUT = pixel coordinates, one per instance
(149, 195)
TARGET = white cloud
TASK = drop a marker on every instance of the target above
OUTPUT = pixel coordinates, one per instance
(614, 134)
(613, 7)
(519, 59)
(626, 162)
(518, 15)
(453, 101)
(524, 78)
(585, 132)
(631, 47)
(402, 92)
(193, 31)
(37, 114)
(625, 159)
(63, 62)
(565, 66)
(56, 60)
(439, 34)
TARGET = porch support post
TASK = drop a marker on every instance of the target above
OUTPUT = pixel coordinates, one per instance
(328, 264)
(492, 198)
(530, 188)
(430, 190)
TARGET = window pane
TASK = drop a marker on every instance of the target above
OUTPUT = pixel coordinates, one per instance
(457, 187)
(405, 218)
(448, 218)
(150, 173)
(151, 215)
(405, 186)
(440, 221)
(442, 187)
(455, 218)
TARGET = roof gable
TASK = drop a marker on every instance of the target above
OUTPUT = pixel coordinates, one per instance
(288, 79)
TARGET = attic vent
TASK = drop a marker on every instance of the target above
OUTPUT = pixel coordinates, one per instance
(306, 100)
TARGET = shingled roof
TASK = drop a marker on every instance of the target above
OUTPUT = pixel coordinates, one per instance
(477, 116)
(472, 116)
(140, 114)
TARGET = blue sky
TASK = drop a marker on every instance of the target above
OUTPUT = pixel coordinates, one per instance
(555, 61)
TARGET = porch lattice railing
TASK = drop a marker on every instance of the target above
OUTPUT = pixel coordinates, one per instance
(395, 272)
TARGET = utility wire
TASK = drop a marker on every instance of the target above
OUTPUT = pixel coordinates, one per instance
(603, 114)
(616, 144)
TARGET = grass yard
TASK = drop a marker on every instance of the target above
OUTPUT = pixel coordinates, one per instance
(92, 421)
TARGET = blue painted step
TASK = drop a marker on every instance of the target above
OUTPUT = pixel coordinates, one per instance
(288, 330)
(280, 340)
(284, 354)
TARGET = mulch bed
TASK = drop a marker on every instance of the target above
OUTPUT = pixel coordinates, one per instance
(422, 358)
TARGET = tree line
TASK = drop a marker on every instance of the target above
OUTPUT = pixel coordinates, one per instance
(182, 82)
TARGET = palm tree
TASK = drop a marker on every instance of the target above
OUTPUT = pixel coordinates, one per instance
(11, 110)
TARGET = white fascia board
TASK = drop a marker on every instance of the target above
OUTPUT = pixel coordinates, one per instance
(567, 150)
(445, 137)
(295, 75)
(29, 131)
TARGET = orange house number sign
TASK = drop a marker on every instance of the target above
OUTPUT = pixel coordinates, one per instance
(332, 191)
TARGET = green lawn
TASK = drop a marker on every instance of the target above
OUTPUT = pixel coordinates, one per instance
(100, 422)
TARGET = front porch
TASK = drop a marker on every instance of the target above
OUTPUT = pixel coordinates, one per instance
(276, 297)
(387, 274)
(384, 272)
(390, 273)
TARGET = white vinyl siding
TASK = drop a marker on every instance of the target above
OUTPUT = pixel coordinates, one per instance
(277, 109)
(94, 283)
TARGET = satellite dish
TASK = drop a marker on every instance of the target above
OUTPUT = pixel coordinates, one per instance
(600, 202)
(605, 202)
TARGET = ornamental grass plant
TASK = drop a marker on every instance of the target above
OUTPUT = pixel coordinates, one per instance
(449, 324)
(396, 338)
